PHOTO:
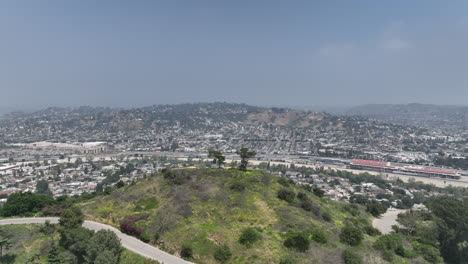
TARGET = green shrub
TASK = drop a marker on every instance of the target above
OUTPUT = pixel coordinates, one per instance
(156, 236)
(316, 210)
(176, 177)
(351, 235)
(47, 228)
(238, 187)
(392, 244)
(145, 237)
(120, 184)
(319, 236)
(318, 192)
(108, 190)
(72, 217)
(168, 174)
(301, 196)
(307, 205)
(375, 208)
(286, 195)
(351, 257)
(285, 182)
(351, 208)
(388, 255)
(223, 253)
(428, 252)
(402, 251)
(186, 252)
(147, 204)
(326, 216)
(249, 236)
(299, 242)
(371, 231)
(286, 261)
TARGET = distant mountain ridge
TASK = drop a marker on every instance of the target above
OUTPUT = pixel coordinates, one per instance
(188, 126)
(424, 115)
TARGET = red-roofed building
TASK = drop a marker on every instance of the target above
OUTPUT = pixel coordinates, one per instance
(5, 193)
(433, 172)
(371, 165)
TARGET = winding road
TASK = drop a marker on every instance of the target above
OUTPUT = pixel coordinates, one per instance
(127, 241)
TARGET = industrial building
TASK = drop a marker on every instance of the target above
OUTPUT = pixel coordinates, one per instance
(387, 167)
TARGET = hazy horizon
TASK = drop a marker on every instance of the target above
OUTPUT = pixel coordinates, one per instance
(307, 54)
(320, 108)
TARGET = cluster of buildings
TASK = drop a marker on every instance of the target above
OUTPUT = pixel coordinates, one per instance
(225, 127)
(190, 130)
(68, 178)
(341, 189)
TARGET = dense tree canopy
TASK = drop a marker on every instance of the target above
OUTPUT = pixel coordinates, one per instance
(25, 203)
(452, 223)
(76, 240)
(82, 244)
(103, 244)
(71, 218)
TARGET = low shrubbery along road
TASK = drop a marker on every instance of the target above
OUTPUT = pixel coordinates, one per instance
(127, 241)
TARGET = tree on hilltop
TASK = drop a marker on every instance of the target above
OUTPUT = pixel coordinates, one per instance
(245, 155)
(217, 156)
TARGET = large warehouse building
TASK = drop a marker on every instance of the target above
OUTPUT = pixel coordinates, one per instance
(384, 167)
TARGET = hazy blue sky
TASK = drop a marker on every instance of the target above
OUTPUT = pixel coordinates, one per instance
(130, 53)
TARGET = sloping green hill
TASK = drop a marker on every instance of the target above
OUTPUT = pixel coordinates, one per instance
(203, 213)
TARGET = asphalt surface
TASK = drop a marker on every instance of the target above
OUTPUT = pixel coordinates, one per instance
(127, 241)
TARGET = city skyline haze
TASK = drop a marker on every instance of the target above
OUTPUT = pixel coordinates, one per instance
(300, 53)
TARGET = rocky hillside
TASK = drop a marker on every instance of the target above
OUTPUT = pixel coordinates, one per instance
(295, 118)
(416, 114)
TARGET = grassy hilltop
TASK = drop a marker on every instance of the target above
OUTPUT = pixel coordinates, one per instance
(239, 217)
(228, 216)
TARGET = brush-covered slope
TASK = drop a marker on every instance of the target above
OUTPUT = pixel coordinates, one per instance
(200, 210)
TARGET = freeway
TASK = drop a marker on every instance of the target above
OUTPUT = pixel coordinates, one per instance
(127, 241)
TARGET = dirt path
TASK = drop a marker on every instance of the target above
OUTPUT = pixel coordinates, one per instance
(384, 222)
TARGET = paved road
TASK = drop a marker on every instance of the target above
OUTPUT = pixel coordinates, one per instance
(128, 242)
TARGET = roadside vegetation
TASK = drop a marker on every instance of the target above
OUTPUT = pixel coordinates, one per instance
(64, 243)
(438, 234)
